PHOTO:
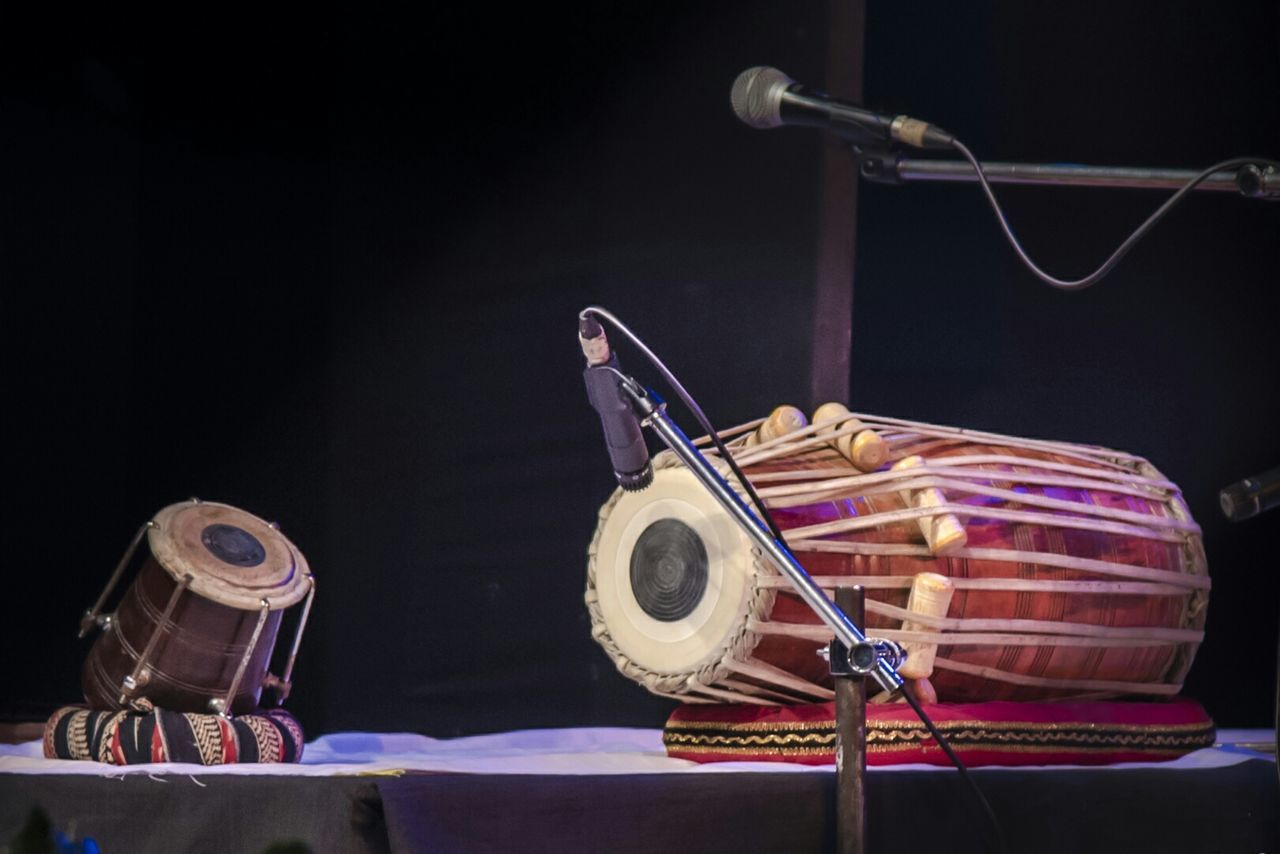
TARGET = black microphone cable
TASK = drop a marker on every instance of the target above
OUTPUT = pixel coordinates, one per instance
(764, 97)
(693, 407)
(1129, 242)
(996, 831)
(674, 384)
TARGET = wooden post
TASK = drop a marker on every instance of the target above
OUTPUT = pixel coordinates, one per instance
(851, 743)
(838, 216)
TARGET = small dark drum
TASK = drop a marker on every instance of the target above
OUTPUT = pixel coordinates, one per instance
(196, 629)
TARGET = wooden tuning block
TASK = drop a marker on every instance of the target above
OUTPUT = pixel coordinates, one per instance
(864, 448)
(942, 531)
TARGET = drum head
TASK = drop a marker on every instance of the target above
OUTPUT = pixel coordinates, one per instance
(674, 575)
(233, 557)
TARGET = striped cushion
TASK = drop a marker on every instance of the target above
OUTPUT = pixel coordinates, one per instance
(133, 738)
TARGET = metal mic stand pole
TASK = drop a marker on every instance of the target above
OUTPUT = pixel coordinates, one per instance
(851, 740)
(851, 654)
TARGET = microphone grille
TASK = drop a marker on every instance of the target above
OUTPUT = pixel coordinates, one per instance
(636, 481)
(757, 96)
(1238, 502)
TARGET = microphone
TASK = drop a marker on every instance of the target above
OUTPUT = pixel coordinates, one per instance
(622, 434)
(1251, 496)
(764, 98)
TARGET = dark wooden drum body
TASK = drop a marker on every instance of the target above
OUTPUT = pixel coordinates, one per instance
(200, 617)
(1076, 570)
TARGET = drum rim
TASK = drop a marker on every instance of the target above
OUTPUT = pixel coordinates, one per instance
(736, 641)
(166, 552)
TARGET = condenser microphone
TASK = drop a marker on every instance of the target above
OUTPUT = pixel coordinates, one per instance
(1251, 496)
(622, 434)
(764, 97)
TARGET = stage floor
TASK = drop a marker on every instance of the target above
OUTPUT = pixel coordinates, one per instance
(616, 790)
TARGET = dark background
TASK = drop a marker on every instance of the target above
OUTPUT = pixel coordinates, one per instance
(326, 269)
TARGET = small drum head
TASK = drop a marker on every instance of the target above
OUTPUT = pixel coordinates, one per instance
(674, 575)
(233, 557)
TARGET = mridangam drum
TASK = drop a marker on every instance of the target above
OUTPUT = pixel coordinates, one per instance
(196, 629)
(1072, 571)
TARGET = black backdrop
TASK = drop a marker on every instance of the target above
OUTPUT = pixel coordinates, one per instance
(326, 269)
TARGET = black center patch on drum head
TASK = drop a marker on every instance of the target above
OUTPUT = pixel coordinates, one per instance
(233, 545)
(669, 570)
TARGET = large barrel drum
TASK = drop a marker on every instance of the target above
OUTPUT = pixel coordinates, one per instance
(1076, 570)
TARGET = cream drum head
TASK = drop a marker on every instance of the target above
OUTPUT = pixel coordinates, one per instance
(674, 576)
(233, 557)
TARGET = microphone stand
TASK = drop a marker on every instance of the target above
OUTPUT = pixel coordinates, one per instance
(851, 654)
(891, 167)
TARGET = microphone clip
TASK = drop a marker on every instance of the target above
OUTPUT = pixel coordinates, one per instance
(619, 400)
(878, 164)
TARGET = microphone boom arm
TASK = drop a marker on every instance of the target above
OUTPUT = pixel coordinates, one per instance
(869, 657)
(890, 167)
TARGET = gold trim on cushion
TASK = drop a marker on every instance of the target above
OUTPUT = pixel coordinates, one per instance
(807, 738)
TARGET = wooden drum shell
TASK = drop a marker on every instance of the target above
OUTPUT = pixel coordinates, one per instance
(195, 657)
(1133, 664)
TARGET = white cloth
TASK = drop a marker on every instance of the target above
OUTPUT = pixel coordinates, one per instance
(599, 750)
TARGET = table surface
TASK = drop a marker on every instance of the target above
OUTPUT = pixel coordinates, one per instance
(583, 750)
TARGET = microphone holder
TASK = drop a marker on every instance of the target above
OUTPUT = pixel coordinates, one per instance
(891, 167)
(851, 654)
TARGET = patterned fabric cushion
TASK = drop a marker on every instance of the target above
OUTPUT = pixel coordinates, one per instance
(1000, 733)
(132, 738)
